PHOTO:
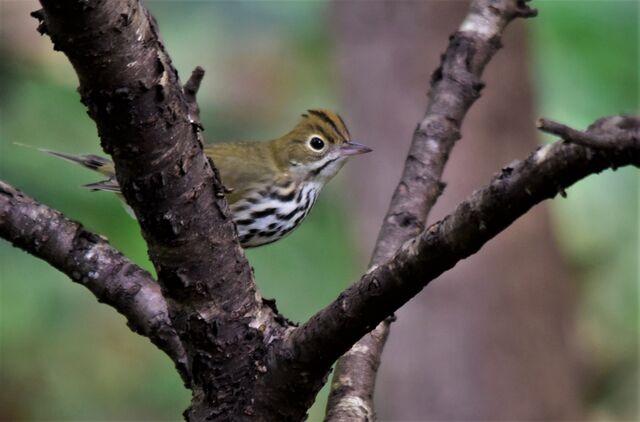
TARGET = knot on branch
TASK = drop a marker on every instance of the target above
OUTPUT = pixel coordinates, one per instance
(512, 9)
(522, 10)
(190, 90)
(615, 124)
(39, 15)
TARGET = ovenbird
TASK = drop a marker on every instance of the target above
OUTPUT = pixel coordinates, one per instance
(272, 185)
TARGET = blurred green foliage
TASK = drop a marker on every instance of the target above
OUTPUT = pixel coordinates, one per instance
(63, 357)
(587, 66)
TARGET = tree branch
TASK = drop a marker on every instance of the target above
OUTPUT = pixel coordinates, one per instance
(190, 90)
(245, 358)
(605, 133)
(144, 120)
(89, 260)
(133, 93)
(455, 86)
(510, 194)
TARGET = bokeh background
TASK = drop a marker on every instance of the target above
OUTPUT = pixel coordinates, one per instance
(63, 356)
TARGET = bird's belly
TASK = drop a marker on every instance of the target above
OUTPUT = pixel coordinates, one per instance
(264, 217)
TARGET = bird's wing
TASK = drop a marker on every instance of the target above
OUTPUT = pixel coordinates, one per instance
(244, 167)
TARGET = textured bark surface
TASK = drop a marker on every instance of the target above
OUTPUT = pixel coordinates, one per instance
(491, 316)
(458, 328)
(144, 121)
(243, 360)
(297, 361)
(455, 86)
(485, 213)
(90, 261)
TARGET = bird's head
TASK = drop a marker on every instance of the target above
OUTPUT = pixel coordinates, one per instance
(317, 147)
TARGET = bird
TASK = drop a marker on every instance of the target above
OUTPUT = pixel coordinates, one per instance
(270, 186)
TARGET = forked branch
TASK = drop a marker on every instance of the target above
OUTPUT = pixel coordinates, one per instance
(146, 123)
(246, 359)
(190, 89)
(455, 86)
(617, 132)
(511, 193)
(143, 115)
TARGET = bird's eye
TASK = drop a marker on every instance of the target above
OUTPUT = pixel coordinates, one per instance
(316, 143)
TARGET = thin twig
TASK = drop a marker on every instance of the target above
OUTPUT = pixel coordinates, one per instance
(190, 92)
(193, 84)
(618, 139)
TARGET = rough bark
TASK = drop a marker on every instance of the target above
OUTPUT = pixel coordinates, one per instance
(455, 86)
(89, 260)
(510, 194)
(144, 121)
(298, 360)
(246, 361)
(462, 319)
(604, 133)
(458, 327)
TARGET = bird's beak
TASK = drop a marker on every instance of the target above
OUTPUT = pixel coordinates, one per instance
(352, 148)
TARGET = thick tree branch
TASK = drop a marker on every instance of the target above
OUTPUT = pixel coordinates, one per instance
(455, 86)
(133, 93)
(510, 194)
(246, 361)
(88, 259)
(144, 121)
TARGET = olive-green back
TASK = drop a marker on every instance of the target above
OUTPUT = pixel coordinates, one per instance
(243, 166)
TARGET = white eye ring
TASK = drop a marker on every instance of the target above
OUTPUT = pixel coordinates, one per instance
(316, 143)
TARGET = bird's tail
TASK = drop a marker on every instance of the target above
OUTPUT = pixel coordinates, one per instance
(93, 162)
